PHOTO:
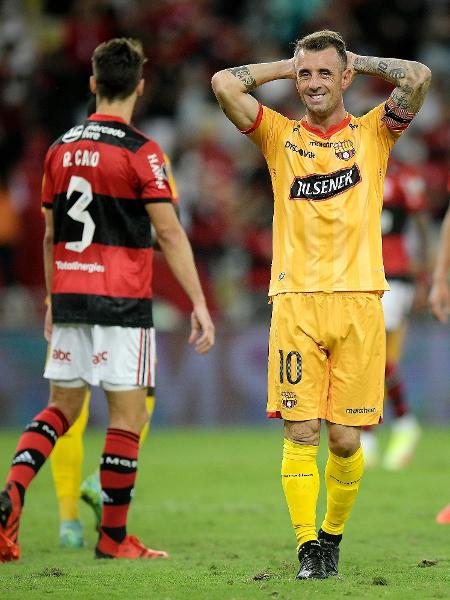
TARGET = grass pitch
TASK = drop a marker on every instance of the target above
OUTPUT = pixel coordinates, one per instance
(213, 499)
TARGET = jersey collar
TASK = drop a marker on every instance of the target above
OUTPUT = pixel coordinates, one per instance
(103, 117)
(329, 132)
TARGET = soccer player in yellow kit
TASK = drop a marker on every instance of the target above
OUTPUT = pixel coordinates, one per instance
(327, 337)
(68, 453)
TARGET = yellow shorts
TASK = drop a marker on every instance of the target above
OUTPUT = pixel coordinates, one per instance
(327, 357)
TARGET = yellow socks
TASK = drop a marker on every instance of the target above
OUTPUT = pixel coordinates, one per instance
(67, 461)
(300, 480)
(150, 402)
(342, 476)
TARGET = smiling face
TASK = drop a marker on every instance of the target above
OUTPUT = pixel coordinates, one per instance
(321, 80)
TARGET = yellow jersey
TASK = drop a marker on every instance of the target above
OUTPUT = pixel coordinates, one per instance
(328, 196)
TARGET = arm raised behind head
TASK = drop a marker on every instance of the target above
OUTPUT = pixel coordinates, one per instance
(232, 87)
(410, 78)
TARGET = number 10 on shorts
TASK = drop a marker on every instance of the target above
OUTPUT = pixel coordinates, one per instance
(289, 365)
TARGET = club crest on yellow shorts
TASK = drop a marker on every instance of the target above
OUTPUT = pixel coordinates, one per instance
(288, 399)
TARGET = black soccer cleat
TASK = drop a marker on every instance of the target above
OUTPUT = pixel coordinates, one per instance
(330, 552)
(312, 565)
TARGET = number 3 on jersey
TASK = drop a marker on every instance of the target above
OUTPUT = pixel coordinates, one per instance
(78, 212)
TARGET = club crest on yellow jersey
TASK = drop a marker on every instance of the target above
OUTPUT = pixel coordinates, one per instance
(344, 150)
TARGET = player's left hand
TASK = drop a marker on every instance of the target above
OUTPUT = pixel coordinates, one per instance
(202, 329)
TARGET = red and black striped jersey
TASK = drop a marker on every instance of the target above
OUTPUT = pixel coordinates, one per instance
(404, 195)
(98, 177)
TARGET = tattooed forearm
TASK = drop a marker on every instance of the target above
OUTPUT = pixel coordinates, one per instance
(391, 69)
(411, 79)
(397, 73)
(382, 66)
(401, 99)
(244, 75)
(407, 89)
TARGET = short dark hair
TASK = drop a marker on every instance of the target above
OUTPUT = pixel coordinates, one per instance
(320, 40)
(117, 65)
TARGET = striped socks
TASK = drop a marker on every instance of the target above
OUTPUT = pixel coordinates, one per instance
(34, 447)
(117, 476)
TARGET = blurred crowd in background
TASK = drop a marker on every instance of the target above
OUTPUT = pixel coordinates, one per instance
(225, 192)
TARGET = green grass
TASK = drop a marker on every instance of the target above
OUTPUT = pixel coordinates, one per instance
(213, 499)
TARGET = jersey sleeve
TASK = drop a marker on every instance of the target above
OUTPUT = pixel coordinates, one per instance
(265, 130)
(377, 121)
(151, 171)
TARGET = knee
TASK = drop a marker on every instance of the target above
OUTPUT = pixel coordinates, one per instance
(68, 410)
(306, 433)
(342, 445)
(142, 419)
(343, 440)
(131, 420)
(137, 418)
(68, 400)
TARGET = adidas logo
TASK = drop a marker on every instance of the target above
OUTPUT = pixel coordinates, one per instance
(24, 457)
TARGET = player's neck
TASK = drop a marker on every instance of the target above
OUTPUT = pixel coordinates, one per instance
(326, 122)
(122, 108)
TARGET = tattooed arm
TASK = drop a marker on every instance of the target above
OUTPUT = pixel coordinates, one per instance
(232, 87)
(411, 79)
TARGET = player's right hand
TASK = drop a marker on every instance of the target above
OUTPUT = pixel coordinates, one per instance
(292, 62)
(202, 329)
(439, 300)
(351, 57)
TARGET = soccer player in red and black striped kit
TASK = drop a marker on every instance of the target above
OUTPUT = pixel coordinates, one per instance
(404, 203)
(104, 183)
